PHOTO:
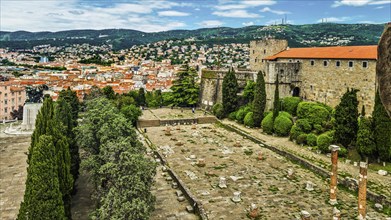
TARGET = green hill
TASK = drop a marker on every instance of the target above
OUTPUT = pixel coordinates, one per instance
(297, 35)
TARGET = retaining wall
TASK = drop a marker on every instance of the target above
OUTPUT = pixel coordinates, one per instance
(143, 123)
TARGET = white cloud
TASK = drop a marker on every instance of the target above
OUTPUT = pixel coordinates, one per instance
(172, 14)
(70, 14)
(379, 7)
(242, 4)
(357, 3)
(210, 23)
(236, 14)
(267, 9)
(248, 23)
(335, 19)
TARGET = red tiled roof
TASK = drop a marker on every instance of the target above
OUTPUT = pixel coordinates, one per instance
(340, 52)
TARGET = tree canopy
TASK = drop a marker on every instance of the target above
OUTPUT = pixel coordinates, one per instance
(230, 91)
(185, 89)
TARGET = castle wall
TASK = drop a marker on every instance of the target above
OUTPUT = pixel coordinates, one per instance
(260, 49)
(327, 84)
(211, 89)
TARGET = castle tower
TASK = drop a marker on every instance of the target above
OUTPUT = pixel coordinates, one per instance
(260, 49)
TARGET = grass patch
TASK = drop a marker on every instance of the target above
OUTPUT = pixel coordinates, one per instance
(248, 152)
(221, 166)
(273, 188)
(376, 167)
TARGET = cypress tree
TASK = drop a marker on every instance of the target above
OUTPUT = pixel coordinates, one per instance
(259, 102)
(366, 146)
(382, 130)
(42, 121)
(67, 112)
(363, 111)
(230, 91)
(141, 97)
(276, 103)
(346, 115)
(42, 198)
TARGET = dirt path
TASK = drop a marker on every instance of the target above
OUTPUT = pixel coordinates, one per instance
(376, 182)
(82, 203)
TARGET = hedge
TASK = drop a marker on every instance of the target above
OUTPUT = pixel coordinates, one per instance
(304, 125)
(282, 125)
(218, 110)
(311, 139)
(295, 132)
(232, 115)
(313, 112)
(267, 123)
(323, 142)
(290, 104)
(248, 120)
(302, 138)
(242, 112)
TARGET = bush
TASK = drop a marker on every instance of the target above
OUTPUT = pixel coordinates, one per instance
(343, 152)
(285, 114)
(218, 110)
(232, 116)
(295, 132)
(267, 123)
(248, 120)
(282, 125)
(265, 114)
(313, 112)
(302, 139)
(241, 113)
(290, 104)
(311, 139)
(323, 142)
(304, 125)
(318, 129)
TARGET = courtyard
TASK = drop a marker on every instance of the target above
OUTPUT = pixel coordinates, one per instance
(202, 154)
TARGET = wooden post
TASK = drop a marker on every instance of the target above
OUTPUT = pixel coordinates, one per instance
(334, 174)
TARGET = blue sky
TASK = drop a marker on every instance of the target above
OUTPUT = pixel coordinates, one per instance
(162, 15)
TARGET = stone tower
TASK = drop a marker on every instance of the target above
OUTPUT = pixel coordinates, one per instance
(260, 49)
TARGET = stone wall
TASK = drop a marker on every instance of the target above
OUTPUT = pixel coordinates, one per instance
(260, 49)
(212, 85)
(143, 123)
(30, 112)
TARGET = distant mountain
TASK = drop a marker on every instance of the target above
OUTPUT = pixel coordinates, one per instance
(297, 35)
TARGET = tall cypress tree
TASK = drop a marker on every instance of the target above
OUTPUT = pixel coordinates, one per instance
(346, 115)
(259, 102)
(276, 103)
(42, 198)
(382, 130)
(365, 139)
(141, 97)
(67, 112)
(230, 92)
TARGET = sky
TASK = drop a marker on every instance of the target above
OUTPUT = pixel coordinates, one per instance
(163, 15)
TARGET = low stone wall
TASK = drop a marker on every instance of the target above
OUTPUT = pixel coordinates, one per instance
(350, 183)
(143, 123)
(197, 206)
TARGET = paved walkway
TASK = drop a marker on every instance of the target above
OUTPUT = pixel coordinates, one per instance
(376, 183)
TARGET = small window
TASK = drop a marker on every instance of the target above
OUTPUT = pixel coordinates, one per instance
(253, 51)
(365, 64)
(264, 51)
(350, 63)
(312, 62)
(20, 92)
(325, 63)
(5, 101)
(338, 63)
(290, 61)
(5, 110)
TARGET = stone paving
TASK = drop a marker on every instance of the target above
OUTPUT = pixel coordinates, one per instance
(258, 173)
(13, 156)
(166, 113)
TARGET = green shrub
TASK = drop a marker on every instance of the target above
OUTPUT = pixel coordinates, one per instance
(242, 113)
(313, 112)
(282, 125)
(265, 114)
(343, 152)
(318, 129)
(304, 125)
(267, 123)
(323, 142)
(218, 110)
(232, 116)
(302, 139)
(295, 132)
(311, 139)
(290, 104)
(248, 120)
(328, 108)
(285, 114)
